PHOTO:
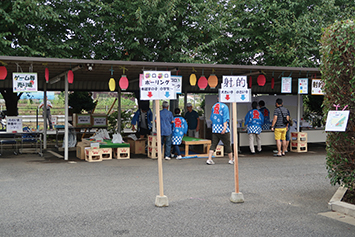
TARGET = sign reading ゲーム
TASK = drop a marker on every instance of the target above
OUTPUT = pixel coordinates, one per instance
(24, 82)
(157, 85)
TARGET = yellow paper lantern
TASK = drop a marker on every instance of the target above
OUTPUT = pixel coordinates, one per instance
(212, 81)
(112, 84)
(193, 79)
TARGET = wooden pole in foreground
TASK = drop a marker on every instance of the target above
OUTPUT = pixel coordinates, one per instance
(160, 158)
(235, 145)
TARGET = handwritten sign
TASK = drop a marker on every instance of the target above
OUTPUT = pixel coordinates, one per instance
(317, 87)
(84, 119)
(99, 121)
(302, 85)
(286, 85)
(13, 124)
(24, 82)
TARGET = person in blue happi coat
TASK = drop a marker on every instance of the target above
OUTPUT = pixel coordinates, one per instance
(266, 113)
(179, 129)
(254, 120)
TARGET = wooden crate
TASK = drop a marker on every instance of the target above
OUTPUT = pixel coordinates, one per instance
(152, 141)
(299, 136)
(219, 151)
(153, 152)
(106, 153)
(122, 153)
(298, 146)
(92, 155)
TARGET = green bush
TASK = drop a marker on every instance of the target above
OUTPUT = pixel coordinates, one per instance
(338, 74)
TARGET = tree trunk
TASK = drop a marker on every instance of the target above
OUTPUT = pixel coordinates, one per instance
(11, 100)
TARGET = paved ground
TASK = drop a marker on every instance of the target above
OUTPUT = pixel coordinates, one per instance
(46, 196)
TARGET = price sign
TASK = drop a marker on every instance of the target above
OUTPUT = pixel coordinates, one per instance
(317, 87)
(99, 121)
(302, 85)
(84, 120)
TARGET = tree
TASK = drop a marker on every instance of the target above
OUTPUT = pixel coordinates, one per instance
(338, 63)
(11, 100)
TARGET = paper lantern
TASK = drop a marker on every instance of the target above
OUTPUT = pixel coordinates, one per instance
(70, 77)
(202, 82)
(193, 79)
(212, 81)
(46, 74)
(123, 82)
(272, 82)
(3, 72)
(261, 80)
(112, 84)
(250, 82)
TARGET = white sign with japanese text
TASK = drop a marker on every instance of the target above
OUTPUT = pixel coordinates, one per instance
(234, 82)
(230, 95)
(157, 93)
(317, 87)
(286, 85)
(157, 85)
(302, 85)
(13, 124)
(24, 82)
(176, 81)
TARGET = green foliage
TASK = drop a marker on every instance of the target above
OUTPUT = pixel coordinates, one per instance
(338, 63)
(313, 111)
(126, 118)
(81, 100)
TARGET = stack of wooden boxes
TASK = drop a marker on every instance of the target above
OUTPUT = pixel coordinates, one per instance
(152, 147)
(298, 142)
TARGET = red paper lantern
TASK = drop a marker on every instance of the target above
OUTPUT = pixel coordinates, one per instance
(70, 77)
(250, 82)
(202, 82)
(3, 72)
(46, 74)
(123, 82)
(272, 82)
(261, 80)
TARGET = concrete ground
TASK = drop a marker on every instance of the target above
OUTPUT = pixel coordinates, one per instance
(284, 196)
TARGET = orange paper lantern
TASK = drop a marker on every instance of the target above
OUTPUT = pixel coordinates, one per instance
(212, 81)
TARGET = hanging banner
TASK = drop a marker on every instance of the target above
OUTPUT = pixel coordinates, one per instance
(317, 87)
(286, 85)
(176, 81)
(24, 82)
(302, 85)
(337, 121)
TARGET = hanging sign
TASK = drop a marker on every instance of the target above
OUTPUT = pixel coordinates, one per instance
(24, 82)
(337, 121)
(13, 124)
(317, 87)
(176, 82)
(239, 82)
(286, 85)
(157, 85)
(302, 85)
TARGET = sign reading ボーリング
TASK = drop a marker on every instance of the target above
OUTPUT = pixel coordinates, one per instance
(157, 85)
(24, 82)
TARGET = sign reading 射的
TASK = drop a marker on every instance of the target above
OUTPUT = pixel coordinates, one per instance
(24, 82)
(234, 89)
(317, 87)
(157, 85)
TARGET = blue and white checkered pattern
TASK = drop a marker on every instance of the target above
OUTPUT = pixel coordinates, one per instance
(254, 129)
(266, 126)
(218, 128)
(176, 140)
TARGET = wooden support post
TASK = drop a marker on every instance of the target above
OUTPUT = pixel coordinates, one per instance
(160, 157)
(235, 139)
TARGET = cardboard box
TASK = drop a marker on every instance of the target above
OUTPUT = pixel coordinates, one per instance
(137, 146)
(80, 150)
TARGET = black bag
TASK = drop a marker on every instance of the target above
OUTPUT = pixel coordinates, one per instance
(284, 118)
